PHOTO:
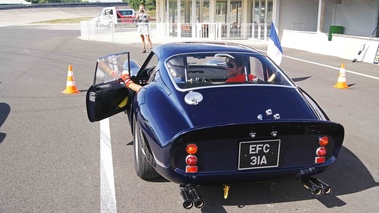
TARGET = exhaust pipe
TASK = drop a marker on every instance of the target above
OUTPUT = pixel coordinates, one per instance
(187, 202)
(326, 188)
(196, 198)
(311, 186)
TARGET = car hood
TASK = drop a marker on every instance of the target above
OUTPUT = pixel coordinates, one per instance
(247, 104)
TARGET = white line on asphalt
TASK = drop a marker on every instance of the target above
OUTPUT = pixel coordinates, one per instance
(324, 65)
(336, 68)
(107, 187)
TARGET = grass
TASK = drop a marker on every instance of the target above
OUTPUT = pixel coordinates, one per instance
(64, 21)
(78, 20)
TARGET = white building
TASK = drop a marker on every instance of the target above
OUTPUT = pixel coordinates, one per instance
(302, 24)
(14, 2)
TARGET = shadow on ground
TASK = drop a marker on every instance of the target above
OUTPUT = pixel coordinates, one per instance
(347, 165)
(4, 112)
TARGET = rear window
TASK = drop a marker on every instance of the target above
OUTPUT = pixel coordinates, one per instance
(210, 69)
(126, 12)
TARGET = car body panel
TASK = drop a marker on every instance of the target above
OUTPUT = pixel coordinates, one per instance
(231, 123)
(125, 15)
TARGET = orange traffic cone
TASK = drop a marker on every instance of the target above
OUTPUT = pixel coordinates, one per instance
(341, 83)
(70, 85)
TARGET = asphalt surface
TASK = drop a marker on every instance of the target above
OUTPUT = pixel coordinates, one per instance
(49, 151)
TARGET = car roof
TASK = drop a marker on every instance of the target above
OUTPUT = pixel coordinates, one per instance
(124, 9)
(168, 49)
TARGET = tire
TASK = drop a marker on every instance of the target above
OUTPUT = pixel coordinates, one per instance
(142, 167)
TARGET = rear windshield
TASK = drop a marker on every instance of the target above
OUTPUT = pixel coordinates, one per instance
(209, 69)
(126, 12)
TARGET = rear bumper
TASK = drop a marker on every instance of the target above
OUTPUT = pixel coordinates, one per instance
(243, 176)
(219, 153)
(249, 176)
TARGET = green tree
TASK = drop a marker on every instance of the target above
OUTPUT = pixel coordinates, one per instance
(149, 4)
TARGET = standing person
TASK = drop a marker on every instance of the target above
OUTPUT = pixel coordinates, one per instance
(142, 18)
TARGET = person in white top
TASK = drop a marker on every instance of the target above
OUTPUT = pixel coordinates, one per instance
(142, 18)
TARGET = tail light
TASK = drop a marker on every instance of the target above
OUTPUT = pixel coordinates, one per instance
(191, 149)
(319, 159)
(191, 159)
(191, 169)
(321, 151)
(323, 141)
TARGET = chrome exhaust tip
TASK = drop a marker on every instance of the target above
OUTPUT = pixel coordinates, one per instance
(326, 188)
(196, 198)
(311, 186)
(187, 202)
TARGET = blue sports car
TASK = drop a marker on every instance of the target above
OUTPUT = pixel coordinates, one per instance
(216, 114)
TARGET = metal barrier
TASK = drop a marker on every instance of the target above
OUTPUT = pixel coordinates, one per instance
(89, 30)
(215, 31)
(197, 31)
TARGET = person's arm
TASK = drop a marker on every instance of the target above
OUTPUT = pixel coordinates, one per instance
(130, 84)
(104, 66)
(137, 15)
(125, 77)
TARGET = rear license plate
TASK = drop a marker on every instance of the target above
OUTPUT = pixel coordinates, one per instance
(258, 154)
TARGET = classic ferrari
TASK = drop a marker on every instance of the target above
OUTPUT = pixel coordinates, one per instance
(216, 114)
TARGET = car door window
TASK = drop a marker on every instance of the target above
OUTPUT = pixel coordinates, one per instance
(109, 68)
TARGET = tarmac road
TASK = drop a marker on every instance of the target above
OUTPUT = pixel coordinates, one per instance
(50, 152)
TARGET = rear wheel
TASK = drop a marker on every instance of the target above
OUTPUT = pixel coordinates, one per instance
(143, 169)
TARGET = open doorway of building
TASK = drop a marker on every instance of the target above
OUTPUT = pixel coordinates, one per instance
(218, 19)
(229, 15)
(261, 17)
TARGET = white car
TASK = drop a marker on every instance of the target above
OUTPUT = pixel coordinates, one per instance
(113, 15)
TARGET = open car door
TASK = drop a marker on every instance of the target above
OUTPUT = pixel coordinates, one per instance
(108, 94)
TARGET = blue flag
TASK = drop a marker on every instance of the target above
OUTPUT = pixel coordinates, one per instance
(274, 49)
